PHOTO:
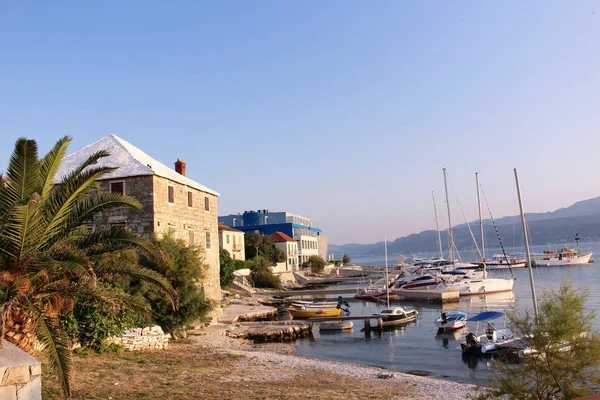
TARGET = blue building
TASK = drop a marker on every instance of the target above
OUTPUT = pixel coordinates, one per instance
(310, 239)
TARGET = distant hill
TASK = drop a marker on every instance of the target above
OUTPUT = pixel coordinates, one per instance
(558, 226)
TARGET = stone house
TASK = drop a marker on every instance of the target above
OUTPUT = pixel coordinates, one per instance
(232, 240)
(290, 248)
(173, 203)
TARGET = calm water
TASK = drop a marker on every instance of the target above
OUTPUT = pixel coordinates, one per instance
(418, 347)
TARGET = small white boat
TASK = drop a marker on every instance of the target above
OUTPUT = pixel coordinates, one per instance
(335, 325)
(451, 321)
(492, 339)
(396, 316)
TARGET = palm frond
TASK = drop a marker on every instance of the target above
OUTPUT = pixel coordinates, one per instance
(59, 204)
(22, 175)
(55, 346)
(127, 268)
(85, 208)
(50, 162)
(110, 239)
(22, 232)
(91, 160)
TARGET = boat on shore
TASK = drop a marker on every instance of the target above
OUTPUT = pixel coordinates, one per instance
(451, 321)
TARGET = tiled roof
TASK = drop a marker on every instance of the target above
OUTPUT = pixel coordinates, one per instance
(130, 160)
(279, 237)
(223, 227)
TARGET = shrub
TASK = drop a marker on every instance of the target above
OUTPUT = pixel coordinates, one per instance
(227, 267)
(262, 274)
(316, 264)
(183, 269)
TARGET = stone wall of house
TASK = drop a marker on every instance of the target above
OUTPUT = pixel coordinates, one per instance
(142, 222)
(20, 374)
(142, 339)
(192, 225)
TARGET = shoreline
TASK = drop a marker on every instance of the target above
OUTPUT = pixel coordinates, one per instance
(273, 359)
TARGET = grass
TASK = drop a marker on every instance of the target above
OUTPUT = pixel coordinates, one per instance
(186, 371)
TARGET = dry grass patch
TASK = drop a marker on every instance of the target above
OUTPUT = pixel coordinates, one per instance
(186, 371)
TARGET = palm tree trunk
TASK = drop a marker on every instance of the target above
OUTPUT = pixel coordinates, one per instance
(20, 330)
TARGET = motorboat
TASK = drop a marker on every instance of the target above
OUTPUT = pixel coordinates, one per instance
(501, 261)
(451, 321)
(370, 293)
(420, 282)
(396, 316)
(319, 305)
(470, 287)
(492, 338)
(564, 256)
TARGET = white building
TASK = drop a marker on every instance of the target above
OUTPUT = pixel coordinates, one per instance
(290, 248)
(307, 246)
(232, 240)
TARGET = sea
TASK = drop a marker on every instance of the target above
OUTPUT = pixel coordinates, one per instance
(417, 347)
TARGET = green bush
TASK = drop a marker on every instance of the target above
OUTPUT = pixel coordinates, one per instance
(316, 264)
(93, 321)
(239, 264)
(226, 263)
(262, 274)
(183, 269)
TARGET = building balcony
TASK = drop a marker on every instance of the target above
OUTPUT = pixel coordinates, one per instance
(237, 247)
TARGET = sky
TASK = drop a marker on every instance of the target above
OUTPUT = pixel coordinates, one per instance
(344, 112)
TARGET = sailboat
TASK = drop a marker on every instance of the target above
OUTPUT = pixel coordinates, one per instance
(484, 285)
(393, 316)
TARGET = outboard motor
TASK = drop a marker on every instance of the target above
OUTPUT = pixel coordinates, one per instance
(444, 318)
(471, 343)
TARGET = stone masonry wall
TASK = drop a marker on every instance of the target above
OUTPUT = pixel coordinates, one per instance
(189, 223)
(20, 374)
(142, 222)
(142, 339)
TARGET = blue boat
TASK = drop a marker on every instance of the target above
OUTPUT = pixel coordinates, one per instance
(451, 321)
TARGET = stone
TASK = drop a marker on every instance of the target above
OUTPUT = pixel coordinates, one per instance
(35, 370)
(8, 393)
(19, 374)
(31, 390)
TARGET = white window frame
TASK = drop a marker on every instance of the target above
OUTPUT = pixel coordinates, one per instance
(117, 181)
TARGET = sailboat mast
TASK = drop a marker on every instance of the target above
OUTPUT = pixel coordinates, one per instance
(437, 225)
(535, 306)
(387, 279)
(450, 236)
(481, 226)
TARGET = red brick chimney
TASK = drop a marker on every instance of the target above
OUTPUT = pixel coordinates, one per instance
(180, 167)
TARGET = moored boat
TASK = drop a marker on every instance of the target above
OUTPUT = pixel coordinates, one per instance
(492, 339)
(312, 312)
(451, 321)
(335, 325)
(564, 256)
(370, 294)
(396, 316)
(421, 282)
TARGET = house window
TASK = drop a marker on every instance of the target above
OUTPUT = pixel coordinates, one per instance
(171, 194)
(207, 240)
(227, 236)
(190, 199)
(206, 204)
(120, 225)
(191, 240)
(117, 187)
(233, 240)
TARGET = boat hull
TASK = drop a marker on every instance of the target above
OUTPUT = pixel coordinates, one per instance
(556, 261)
(335, 325)
(315, 313)
(483, 286)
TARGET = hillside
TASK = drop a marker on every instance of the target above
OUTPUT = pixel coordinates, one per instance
(558, 226)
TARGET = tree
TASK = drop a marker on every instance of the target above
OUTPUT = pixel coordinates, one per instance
(183, 269)
(262, 274)
(346, 259)
(258, 245)
(316, 264)
(48, 257)
(551, 373)
(227, 267)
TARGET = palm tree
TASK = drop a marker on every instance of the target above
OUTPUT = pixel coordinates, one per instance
(47, 255)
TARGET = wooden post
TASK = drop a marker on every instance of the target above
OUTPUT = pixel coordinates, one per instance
(379, 323)
(367, 324)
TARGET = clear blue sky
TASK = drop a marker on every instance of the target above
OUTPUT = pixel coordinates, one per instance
(340, 111)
